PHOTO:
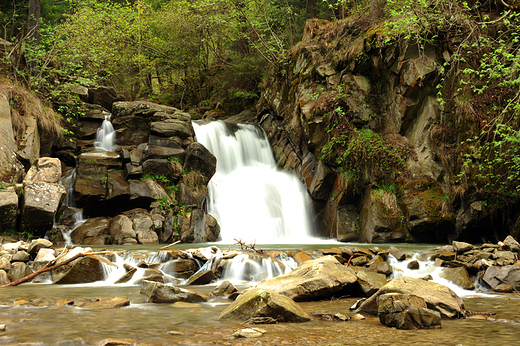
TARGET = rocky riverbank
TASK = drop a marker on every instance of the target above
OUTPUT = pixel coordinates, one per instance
(170, 276)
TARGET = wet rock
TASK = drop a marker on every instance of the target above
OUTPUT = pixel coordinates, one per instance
(459, 276)
(161, 293)
(414, 264)
(503, 279)
(38, 244)
(249, 333)
(156, 152)
(398, 254)
(82, 270)
(45, 255)
(512, 244)
(180, 268)
(131, 130)
(93, 232)
(381, 268)
(461, 247)
(259, 302)
(126, 276)
(5, 263)
(116, 342)
(405, 311)
(170, 169)
(202, 278)
(117, 186)
(20, 256)
(104, 302)
(198, 158)
(145, 192)
(18, 270)
(370, 282)
(314, 279)
(4, 278)
(503, 258)
(102, 95)
(8, 210)
(199, 227)
(225, 289)
(437, 297)
(301, 257)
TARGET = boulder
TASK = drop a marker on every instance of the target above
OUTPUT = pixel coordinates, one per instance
(461, 247)
(170, 169)
(41, 201)
(316, 279)
(398, 254)
(9, 164)
(45, 255)
(37, 244)
(117, 186)
(437, 297)
(4, 278)
(8, 210)
(155, 152)
(162, 293)
(82, 270)
(198, 158)
(104, 96)
(18, 270)
(180, 268)
(503, 279)
(131, 130)
(512, 244)
(93, 232)
(370, 282)
(225, 289)
(202, 278)
(172, 127)
(381, 268)
(20, 256)
(144, 192)
(259, 302)
(199, 227)
(459, 276)
(381, 218)
(46, 170)
(88, 193)
(121, 228)
(406, 311)
(104, 302)
(141, 108)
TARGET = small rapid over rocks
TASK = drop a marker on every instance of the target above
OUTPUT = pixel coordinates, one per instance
(252, 199)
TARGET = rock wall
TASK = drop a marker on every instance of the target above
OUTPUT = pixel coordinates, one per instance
(313, 110)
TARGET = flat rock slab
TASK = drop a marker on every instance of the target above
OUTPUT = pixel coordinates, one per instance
(316, 279)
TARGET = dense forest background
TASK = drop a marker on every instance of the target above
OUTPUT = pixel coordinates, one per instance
(217, 57)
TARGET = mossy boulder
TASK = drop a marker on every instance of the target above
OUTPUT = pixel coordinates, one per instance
(259, 302)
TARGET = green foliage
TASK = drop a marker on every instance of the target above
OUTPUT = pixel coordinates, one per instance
(160, 178)
(494, 165)
(171, 188)
(173, 159)
(2, 186)
(165, 204)
(370, 155)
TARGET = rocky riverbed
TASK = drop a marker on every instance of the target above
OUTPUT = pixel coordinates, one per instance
(192, 281)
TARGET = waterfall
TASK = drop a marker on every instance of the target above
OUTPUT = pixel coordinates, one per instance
(105, 135)
(68, 182)
(251, 199)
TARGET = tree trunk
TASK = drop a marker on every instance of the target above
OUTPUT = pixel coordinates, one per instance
(33, 29)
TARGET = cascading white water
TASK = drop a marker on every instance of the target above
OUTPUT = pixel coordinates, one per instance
(105, 135)
(251, 199)
(68, 182)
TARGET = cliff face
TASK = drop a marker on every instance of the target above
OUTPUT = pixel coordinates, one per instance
(362, 127)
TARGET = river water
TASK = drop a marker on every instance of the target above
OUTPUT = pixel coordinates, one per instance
(197, 324)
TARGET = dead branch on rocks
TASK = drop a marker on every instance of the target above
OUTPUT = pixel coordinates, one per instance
(505, 283)
(167, 246)
(244, 246)
(49, 266)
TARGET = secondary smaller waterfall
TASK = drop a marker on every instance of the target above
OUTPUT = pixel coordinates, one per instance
(252, 199)
(68, 182)
(105, 135)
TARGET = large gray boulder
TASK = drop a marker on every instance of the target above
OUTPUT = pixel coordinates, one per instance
(503, 279)
(82, 270)
(9, 164)
(200, 159)
(437, 297)
(259, 302)
(314, 279)
(172, 127)
(41, 201)
(121, 229)
(46, 169)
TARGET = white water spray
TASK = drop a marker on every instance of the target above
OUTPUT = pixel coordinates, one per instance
(105, 135)
(250, 198)
(68, 182)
